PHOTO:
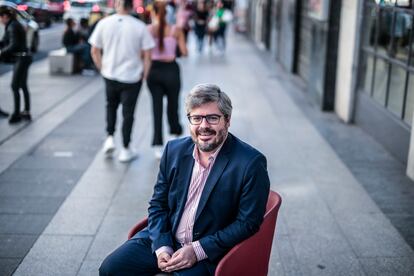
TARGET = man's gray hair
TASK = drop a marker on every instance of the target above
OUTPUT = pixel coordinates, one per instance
(208, 93)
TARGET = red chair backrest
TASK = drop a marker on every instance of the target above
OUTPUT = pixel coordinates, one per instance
(251, 256)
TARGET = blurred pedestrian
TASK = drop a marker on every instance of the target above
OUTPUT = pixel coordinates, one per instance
(121, 50)
(14, 49)
(171, 12)
(83, 30)
(200, 23)
(223, 16)
(184, 14)
(74, 44)
(164, 76)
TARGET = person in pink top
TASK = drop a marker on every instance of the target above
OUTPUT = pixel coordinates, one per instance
(164, 77)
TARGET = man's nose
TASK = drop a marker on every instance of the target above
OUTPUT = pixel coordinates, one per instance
(204, 122)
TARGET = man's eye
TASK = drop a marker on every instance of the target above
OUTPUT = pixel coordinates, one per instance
(197, 118)
(213, 117)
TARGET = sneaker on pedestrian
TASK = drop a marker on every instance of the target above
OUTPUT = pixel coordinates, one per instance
(26, 115)
(126, 155)
(158, 150)
(109, 146)
(15, 118)
(3, 114)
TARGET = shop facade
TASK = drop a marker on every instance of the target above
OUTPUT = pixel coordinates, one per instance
(355, 58)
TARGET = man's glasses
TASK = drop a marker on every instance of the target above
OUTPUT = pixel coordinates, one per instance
(212, 119)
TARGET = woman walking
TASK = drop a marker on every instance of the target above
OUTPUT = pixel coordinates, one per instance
(14, 49)
(164, 76)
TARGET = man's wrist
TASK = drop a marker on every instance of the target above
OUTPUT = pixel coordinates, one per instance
(199, 251)
(164, 249)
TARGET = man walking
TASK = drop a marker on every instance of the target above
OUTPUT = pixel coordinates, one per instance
(210, 194)
(121, 50)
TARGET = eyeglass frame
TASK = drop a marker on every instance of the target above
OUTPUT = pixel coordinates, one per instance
(206, 118)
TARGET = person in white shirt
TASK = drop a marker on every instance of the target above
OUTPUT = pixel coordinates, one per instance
(121, 51)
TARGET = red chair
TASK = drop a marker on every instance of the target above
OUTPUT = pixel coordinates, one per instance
(251, 256)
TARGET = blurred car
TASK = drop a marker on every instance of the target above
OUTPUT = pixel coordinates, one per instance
(77, 9)
(28, 22)
(37, 8)
(56, 8)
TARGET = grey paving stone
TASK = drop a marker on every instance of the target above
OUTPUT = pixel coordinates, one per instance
(284, 259)
(97, 183)
(129, 205)
(23, 224)
(52, 162)
(371, 235)
(29, 204)
(112, 233)
(315, 236)
(39, 175)
(55, 254)
(15, 246)
(7, 266)
(388, 266)
(89, 268)
(37, 189)
(78, 216)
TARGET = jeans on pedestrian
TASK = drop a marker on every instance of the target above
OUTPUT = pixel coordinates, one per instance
(220, 37)
(125, 94)
(19, 81)
(200, 32)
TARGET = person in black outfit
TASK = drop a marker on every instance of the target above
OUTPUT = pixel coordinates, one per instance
(14, 49)
(200, 19)
(164, 76)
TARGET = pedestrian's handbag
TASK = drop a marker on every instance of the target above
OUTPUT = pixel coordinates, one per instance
(213, 24)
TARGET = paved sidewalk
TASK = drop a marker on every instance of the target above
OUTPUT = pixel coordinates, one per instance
(328, 224)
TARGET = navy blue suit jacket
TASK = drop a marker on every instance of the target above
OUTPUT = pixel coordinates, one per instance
(232, 203)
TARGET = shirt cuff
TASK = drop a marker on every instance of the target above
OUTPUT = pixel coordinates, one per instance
(163, 249)
(199, 251)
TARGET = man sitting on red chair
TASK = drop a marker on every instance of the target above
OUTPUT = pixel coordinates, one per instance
(210, 195)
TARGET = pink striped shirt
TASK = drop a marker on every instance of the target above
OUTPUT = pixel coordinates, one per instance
(184, 234)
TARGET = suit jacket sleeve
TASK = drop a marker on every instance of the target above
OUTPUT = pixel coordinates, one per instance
(254, 194)
(159, 226)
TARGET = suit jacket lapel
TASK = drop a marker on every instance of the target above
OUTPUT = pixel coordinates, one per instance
(186, 169)
(216, 172)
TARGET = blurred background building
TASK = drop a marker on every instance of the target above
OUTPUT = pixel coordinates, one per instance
(354, 57)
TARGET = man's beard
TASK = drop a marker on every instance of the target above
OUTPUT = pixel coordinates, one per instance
(211, 145)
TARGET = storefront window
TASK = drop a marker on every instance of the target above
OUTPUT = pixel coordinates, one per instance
(400, 46)
(380, 81)
(369, 27)
(396, 89)
(369, 72)
(388, 55)
(384, 30)
(409, 103)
